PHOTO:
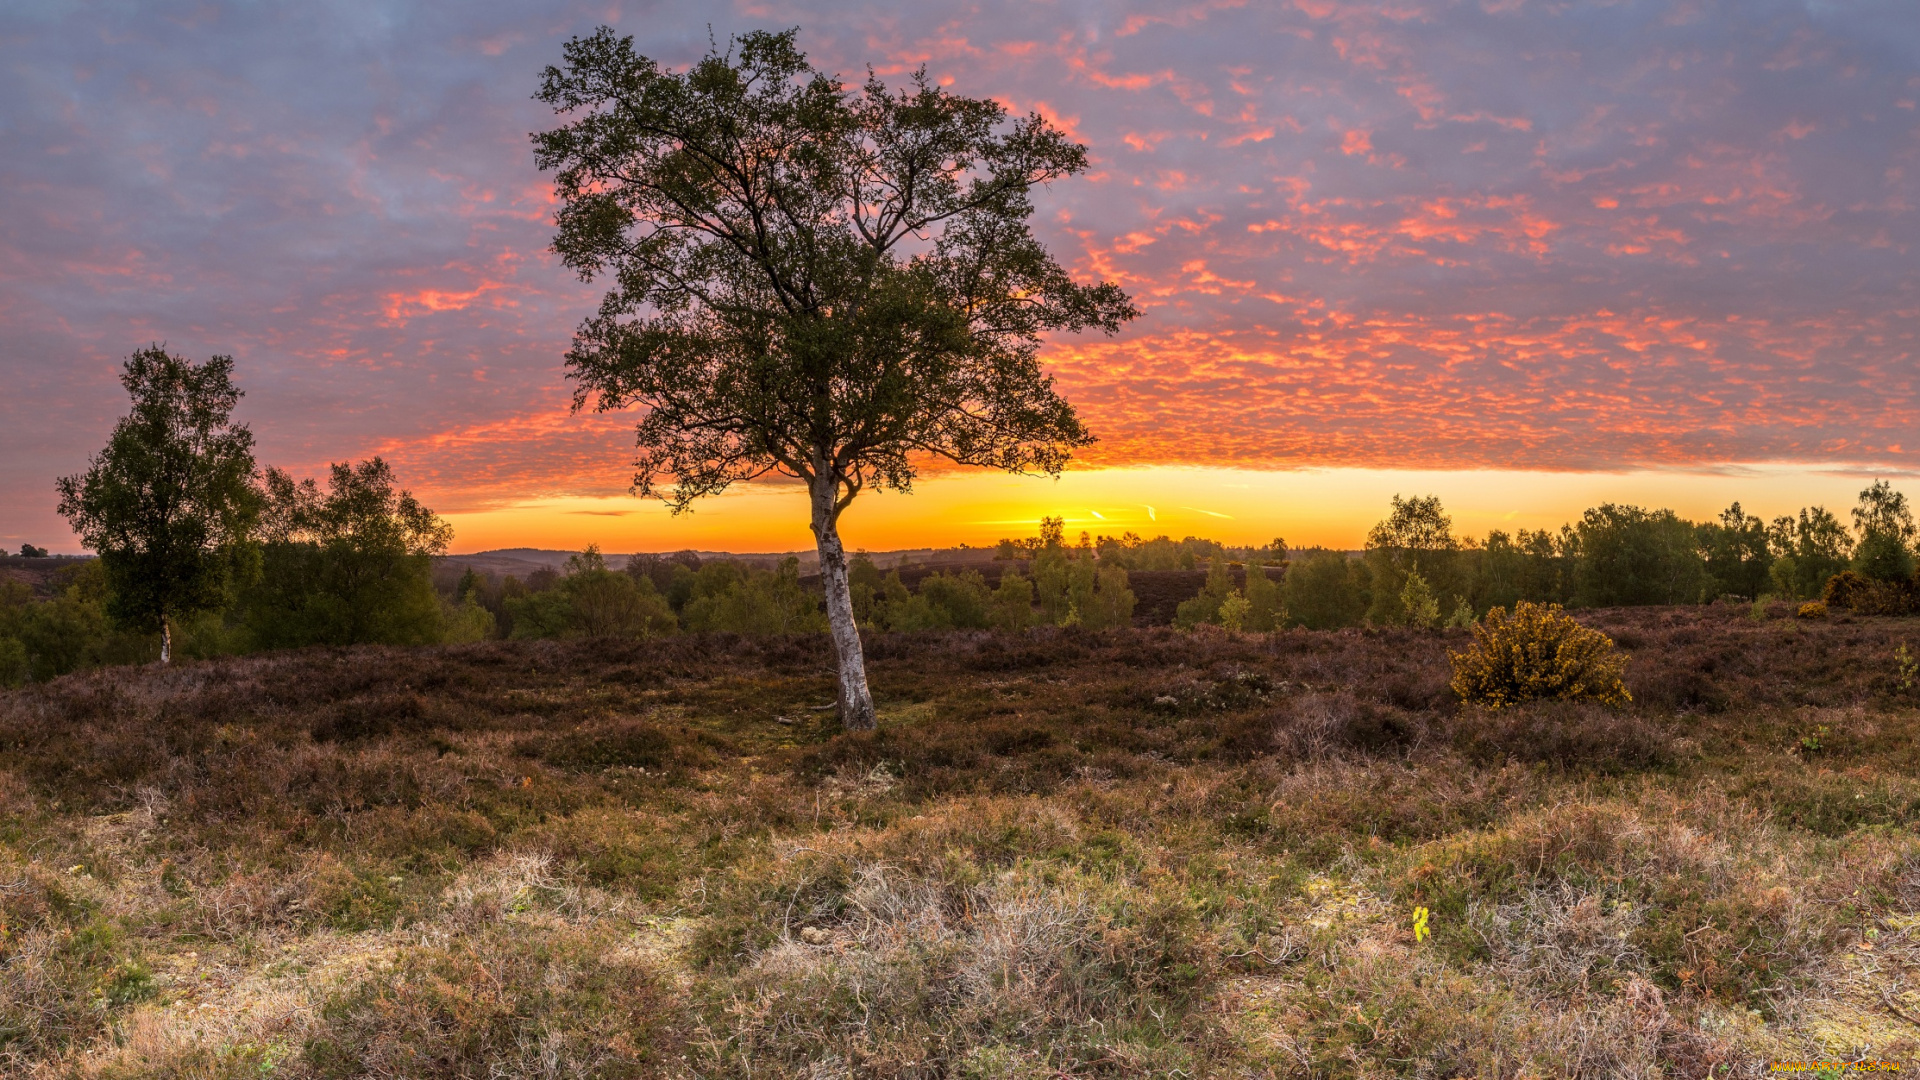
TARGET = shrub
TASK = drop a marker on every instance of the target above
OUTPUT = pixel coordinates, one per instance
(1842, 588)
(1233, 610)
(1099, 596)
(1872, 596)
(1263, 599)
(1418, 602)
(14, 666)
(1112, 601)
(44, 639)
(1013, 602)
(1539, 652)
(1890, 598)
(745, 600)
(1320, 591)
(592, 601)
(1813, 609)
(944, 602)
(1051, 573)
(1204, 607)
(959, 599)
(1462, 616)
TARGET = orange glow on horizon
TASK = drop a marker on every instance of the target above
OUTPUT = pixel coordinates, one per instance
(1326, 507)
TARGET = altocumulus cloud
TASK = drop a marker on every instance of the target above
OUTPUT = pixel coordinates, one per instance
(1504, 233)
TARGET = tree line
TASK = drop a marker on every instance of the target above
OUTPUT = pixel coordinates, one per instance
(1414, 570)
(657, 595)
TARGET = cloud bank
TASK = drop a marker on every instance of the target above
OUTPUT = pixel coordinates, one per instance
(1511, 233)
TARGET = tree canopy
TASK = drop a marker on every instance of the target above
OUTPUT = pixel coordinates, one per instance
(1886, 528)
(810, 280)
(1416, 538)
(345, 565)
(169, 499)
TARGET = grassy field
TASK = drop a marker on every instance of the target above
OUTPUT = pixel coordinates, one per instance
(1128, 853)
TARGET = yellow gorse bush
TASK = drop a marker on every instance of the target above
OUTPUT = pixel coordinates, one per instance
(1538, 652)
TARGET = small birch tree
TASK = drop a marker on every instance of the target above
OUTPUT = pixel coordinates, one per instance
(811, 281)
(171, 496)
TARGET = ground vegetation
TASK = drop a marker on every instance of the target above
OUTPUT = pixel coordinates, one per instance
(1063, 852)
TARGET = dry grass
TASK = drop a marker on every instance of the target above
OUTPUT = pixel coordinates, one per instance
(1125, 853)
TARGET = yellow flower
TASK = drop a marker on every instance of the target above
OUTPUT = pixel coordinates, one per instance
(1538, 652)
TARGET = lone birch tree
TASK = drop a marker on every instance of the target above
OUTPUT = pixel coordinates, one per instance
(829, 284)
(171, 495)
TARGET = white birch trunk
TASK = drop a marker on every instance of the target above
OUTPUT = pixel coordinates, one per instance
(166, 640)
(850, 662)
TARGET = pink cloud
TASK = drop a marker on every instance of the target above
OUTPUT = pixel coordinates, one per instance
(1507, 233)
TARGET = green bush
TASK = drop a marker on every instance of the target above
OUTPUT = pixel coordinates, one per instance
(1013, 601)
(1321, 591)
(944, 602)
(1084, 585)
(14, 667)
(744, 600)
(592, 601)
(1417, 603)
(1052, 574)
(1204, 606)
(1233, 611)
(1107, 600)
(1264, 609)
(67, 633)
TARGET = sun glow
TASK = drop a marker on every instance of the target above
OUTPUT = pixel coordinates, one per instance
(1328, 507)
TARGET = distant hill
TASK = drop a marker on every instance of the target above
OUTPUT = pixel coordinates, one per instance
(40, 575)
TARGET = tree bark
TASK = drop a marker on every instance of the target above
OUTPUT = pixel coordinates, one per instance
(166, 640)
(850, 661)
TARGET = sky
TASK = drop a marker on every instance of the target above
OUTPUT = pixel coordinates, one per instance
(1525, 255)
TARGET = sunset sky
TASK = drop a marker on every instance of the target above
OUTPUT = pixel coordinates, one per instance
(1524, 255)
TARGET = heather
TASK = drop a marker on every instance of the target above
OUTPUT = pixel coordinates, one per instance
(1064, 851)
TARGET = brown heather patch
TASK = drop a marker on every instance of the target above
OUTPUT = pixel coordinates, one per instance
(1135, 852)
